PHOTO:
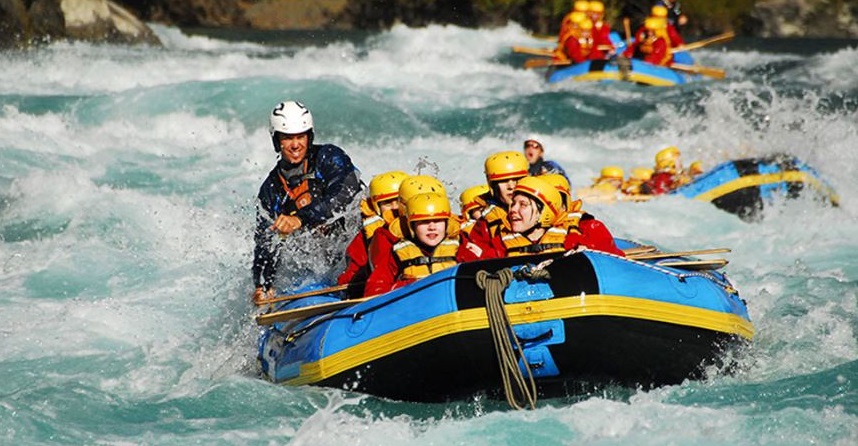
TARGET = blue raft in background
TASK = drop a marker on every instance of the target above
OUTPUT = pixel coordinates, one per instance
(745, 186)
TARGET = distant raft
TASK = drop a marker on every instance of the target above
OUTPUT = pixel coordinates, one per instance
(744, 187)
(583, 319)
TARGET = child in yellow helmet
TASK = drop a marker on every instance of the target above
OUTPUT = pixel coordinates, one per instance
(538, 225)
(471, 206)
(503, 170)
(430, 244)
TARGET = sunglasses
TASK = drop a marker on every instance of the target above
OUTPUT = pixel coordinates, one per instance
(533, 144)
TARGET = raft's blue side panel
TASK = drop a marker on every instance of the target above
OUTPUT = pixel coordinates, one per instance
(683, 58)
(639, 66)
(435, 294)
(627, 278)
(570, 71)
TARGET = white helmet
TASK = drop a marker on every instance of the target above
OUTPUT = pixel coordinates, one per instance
(291, 118)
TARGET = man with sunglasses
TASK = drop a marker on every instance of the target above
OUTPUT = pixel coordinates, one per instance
(534, 153)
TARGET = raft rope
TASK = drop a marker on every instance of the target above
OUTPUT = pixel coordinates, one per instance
(518, 391)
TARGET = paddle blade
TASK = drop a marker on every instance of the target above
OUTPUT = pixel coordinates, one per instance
(533, 51)
(715, 73)
(696, 265)
(701, 43)
(542, 63)
(667, 255)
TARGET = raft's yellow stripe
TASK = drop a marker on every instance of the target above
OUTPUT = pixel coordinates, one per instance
(794, 176)
(522, 313)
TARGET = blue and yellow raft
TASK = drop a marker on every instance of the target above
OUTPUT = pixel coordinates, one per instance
(593, 319)
(745, 186)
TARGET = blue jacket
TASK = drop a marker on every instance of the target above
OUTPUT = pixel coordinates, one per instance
(543, 167)
(333, 183)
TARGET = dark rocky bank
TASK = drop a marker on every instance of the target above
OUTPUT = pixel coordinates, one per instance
(27, 22)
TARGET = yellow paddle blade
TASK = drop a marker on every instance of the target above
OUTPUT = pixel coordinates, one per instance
(715, 73)
(546, 52)
(542, 63)
(665, 255)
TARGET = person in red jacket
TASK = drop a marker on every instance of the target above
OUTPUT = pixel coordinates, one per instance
(536, 221)
(653, 46)
(602, 45)
(430, 244)
(668, 167)
(582, 227)
(377, 211)
(503, 170)
(577, 45)
(673, 36)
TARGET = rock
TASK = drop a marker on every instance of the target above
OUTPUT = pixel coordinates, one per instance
(806, 18)
(89, 20)
(296, 14)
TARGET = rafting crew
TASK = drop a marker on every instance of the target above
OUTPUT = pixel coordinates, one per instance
(309, 185)
(378, 210)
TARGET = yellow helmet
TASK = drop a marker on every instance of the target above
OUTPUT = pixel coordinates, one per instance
(696, 168)
(641, 173)
(427, 206)
(420, 184)
(651, 23)
(504, 166)
(586, 25)
(667, 158)
(658, 11)
(612, 172)
(561, 184)
(385, 186)
(581, 6)
(543, 192)
(468, 198)
(596, 6)
(577, 17)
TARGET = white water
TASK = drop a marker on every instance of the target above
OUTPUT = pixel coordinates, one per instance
(127, 180)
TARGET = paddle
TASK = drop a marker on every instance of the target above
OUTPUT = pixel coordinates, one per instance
(666, 255)
(696, 265)
(533, 51)
(638, 250)
(715, 73)
(701, 43)
(541, 63)
(318, 292)
(628, 29)
(305, 312)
